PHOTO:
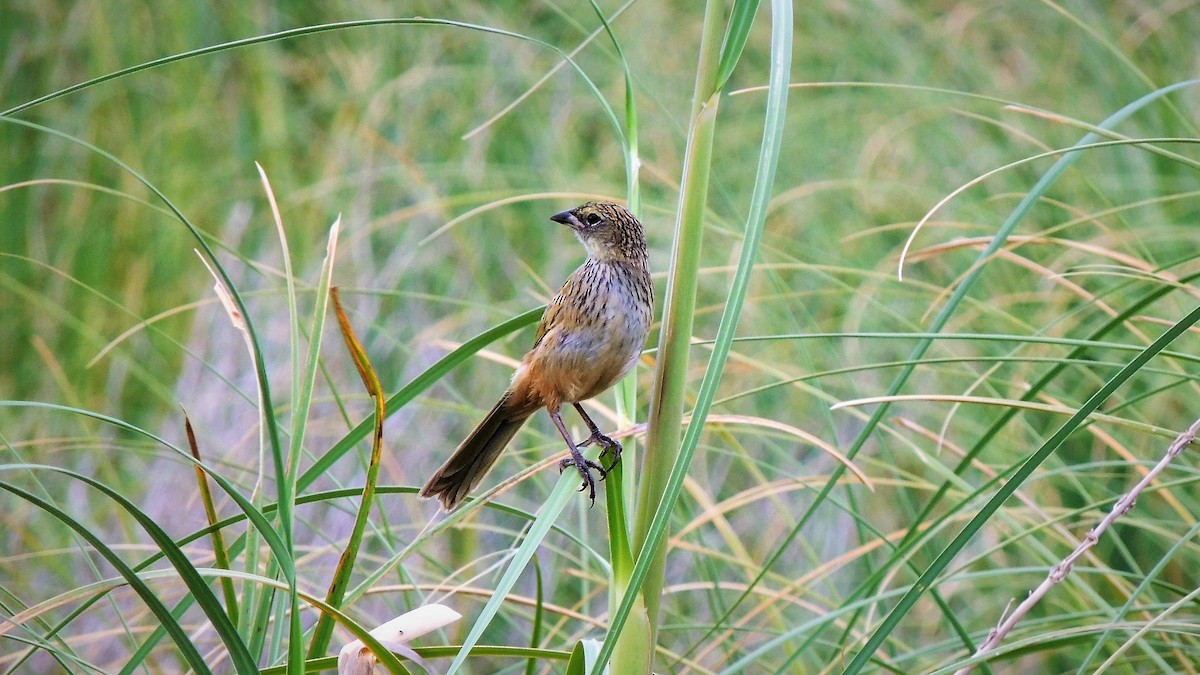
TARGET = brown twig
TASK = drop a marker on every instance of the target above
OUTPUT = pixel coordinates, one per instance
(1062, 569)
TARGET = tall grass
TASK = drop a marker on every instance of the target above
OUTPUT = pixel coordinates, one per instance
(1035, 361)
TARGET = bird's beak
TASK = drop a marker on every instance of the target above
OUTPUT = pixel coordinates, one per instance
(567, 218)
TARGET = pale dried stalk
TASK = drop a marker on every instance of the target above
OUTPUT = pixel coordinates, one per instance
(1062, 569)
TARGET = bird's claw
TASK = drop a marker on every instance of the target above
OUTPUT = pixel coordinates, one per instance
(584, 466)
(606, 445)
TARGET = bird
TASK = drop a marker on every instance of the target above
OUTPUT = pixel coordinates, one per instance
(591, 334)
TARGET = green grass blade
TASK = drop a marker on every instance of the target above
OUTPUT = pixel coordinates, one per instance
(178, 634)
(559, 497)
(224, 627)
(299, 381)
(254, 515)
(736, 35)
(539, 616)
(629, 140)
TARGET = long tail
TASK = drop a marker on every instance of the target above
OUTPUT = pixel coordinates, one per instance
(476, 455)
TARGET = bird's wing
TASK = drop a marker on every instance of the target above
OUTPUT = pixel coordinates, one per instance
(551, 315)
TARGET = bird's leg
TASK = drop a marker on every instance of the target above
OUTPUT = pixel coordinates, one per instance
(582, 464)
(607, 444)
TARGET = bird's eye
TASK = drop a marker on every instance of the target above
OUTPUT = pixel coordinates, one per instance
(593, 219)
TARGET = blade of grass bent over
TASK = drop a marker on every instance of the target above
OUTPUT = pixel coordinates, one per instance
(220, 551)
(272, 539)
(889, 623)
(345, 565)
(305, 31)
(736, 35)
(239, 655)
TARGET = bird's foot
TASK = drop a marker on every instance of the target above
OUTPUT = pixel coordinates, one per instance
(607, 445)
(584, 466)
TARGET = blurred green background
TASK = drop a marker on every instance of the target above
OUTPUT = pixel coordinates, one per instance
(370, 122)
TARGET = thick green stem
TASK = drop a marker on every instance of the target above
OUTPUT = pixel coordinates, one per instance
(670, 376)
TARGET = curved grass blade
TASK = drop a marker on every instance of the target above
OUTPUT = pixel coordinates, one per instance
(222, 625)
(1011, 484)
(190, 654)
(313, 30)
(529, 91)
(629, 140)
(220, 550)
(1018, 214)
(330, 662)
(387, 658)
(254, 515)
(62, 656)
(345, 564)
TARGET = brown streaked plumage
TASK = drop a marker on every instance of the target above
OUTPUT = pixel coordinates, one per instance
(589, 337)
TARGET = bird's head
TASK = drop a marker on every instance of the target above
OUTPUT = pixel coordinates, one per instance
(608, 231)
